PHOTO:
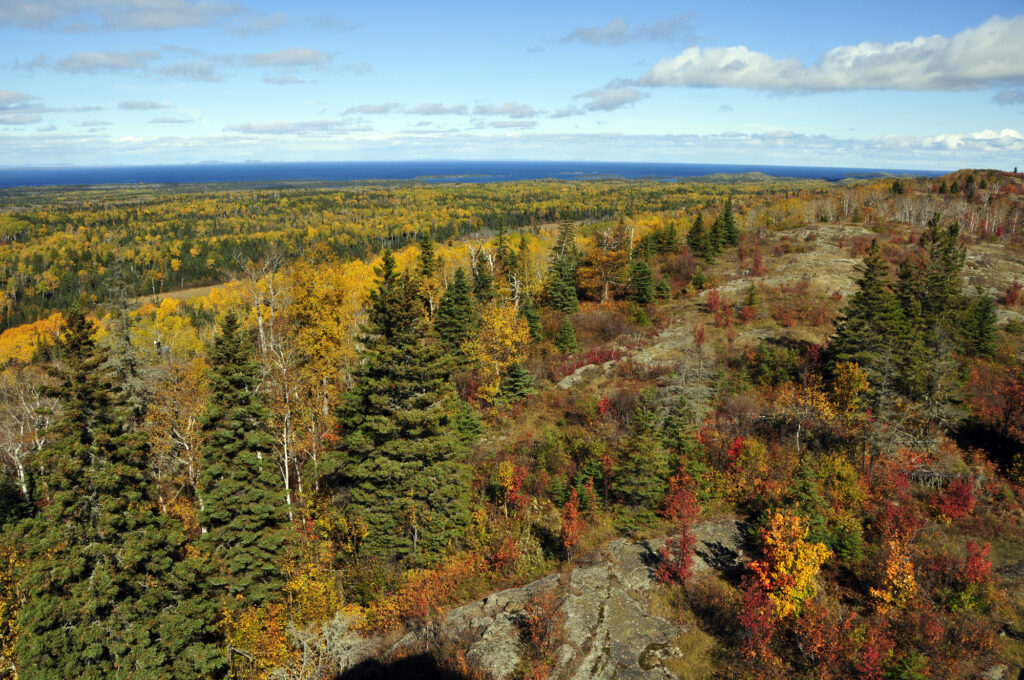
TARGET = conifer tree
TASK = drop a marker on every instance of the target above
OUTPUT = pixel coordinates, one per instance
(532, 316)
(455, 316)
(428, 261)
(641, 283)
(644, 466)
(483, 278)
(242, 512)
(110, 591)
(663, 290)
(565, 339)
(730, 235)
(869, 329)
(697, 238)
(980, 329)
(400, 461)
(561, 291)
(517, 383)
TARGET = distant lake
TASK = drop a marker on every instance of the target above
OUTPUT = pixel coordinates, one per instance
(426, 171)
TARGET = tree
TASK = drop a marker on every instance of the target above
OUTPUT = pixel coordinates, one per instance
(241, 496)
(641, 283)
(455, 317)
(644, 466)
(532, 316)
(499, 344)
(400, 462)
(109, 590)
(483, 277)
(517, 383)
(696, 238)
(791, 564)
(565, 339)
(603, 268)
(726, 225)
(980, 329)
(561, 279)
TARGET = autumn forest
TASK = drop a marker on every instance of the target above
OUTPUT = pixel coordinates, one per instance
(293, 431)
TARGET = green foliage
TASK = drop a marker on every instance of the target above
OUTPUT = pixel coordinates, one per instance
(697, 238)
(483, 278)
(641, 283)
(532, 316)
(980, 329)
(109, 590)
(663, 290)
(242, 513)
(400, 463)
(565, 339)
(517, 383)
(643, 465)
(456, 314)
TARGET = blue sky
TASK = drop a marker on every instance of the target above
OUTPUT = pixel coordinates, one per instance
(929, 85)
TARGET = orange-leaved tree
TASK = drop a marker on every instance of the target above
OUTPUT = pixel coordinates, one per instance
(790, 567)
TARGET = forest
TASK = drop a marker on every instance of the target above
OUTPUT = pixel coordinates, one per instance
(279, 433)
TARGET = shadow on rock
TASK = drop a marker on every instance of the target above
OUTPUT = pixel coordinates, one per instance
(422, 666)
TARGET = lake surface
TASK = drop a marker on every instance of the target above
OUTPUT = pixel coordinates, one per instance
(428, 171)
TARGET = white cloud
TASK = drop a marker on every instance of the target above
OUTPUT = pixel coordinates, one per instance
(165, 120)
(10, 101)
(510, 109)
(300, 128)
(19, 118)
(972, 59)
(295, 57)
(114, 15)
(141, 106)
(1009, 97)
(436, 109)
(105, 62)
(389, 107)
(203, 71)
(513, 124)
(258, 24)
(610, 99)
(283, 80)
(618, 32)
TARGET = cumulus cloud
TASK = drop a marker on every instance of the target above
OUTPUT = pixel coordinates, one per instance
(258, 24)
(513, 124)
(611, 98)
(166, 120)
(295, 57)
(108, 61)
(972, 59)
(510, 109)
(14, 100)
(618, 32)
(19, 118)
(300, 128)
(114, 15)
(141, 106)
(283, 80)
(436, 109)
(203, 71)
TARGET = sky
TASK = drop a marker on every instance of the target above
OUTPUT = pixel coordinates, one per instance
(935, 85)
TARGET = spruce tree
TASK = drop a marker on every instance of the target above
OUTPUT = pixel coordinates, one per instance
(565, 340)
(727, 220)
(243, 514)
(428, 261)
(697, 239)
(483, 278)
(110, 592)
(517, 383)
(871, 326)
(980, 331)
(561, 291)
(455, 316)
(663, 290)
(641, 283)
(644, 466)
(532, 316)
(400, 463)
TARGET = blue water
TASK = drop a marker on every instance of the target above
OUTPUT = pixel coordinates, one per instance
(430, 171)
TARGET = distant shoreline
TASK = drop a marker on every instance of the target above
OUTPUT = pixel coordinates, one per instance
(435, 172)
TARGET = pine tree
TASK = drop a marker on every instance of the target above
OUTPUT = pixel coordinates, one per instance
(242, 513)
(644, 466)
(641, 283)
(517, 383)
(561, 280)
(727, 220)
(565, 339)
(428, 261)
(869, 330)
(110, 591)
(663, 290)
(483, 278)
(697, 238)
(980, 331)
(455, 316)
(400, 462)
(532, 316)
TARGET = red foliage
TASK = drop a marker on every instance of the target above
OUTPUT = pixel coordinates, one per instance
(877, 647)
(676, 558)
(758, 622)
(748, 313)
(572, 523)
(956, 501)
(698, 335)
(978, 566)
(594, 356)
(714, 300)
(996, 395)
(681, 502)
(1014, 295)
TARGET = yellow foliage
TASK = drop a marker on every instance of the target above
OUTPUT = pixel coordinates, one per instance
(898, 583)
(503, 336)
(21, 342)
(12, 566)
(849, 383)
(791, 565)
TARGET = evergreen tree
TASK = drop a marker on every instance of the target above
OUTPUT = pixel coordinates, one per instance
(483, 278)
(644, 466)
(697, 238)
(455, 316)
(870, 327)
(242, 514)
(678, 434)
(663, 290)
(400, 462)
(561, 292)
(641, 283)
(730, 235)
(980, 329)
(532, 316)
(517, 383)
(109, 591)
(428, 261)
(565, 340)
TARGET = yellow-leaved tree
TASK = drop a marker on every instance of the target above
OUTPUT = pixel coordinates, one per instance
(502, 339)
(791, 564)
